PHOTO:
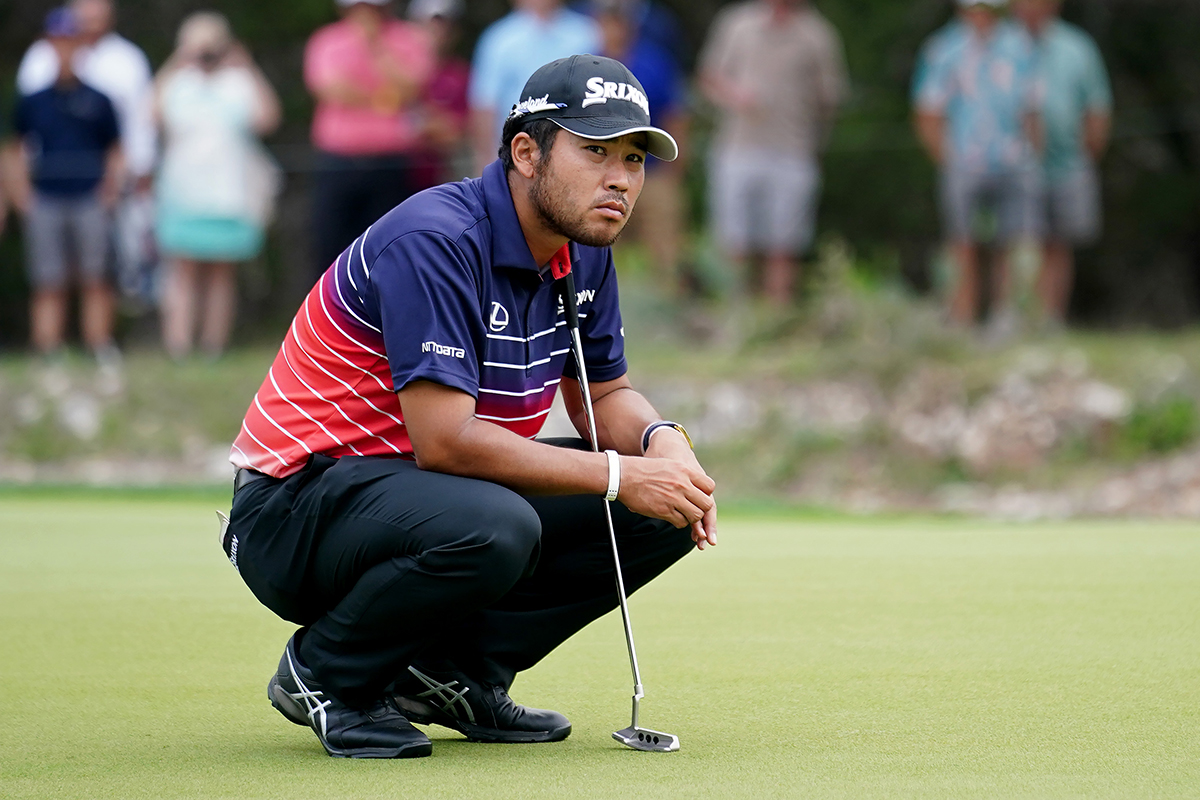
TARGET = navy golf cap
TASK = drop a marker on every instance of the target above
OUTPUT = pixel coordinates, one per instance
(593, 97)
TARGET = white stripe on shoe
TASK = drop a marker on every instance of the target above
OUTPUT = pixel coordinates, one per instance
(314, 706)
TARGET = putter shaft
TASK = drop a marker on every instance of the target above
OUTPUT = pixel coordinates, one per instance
(634, 736)
(638, 694)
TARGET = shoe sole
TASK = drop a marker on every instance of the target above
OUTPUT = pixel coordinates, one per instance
(414, 750)
(478, 733)
(292, 712)
(493, 736)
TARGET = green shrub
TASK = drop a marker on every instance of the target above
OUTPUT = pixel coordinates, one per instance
(1161, 427)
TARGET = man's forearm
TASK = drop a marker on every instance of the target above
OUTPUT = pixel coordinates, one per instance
(396, 75)
(448, 437)
(16, 167)
(1035, 131)
(1097, 127)
(622, 414)
(114, 176)
(489, 452)
(930, 131)
(342, 93)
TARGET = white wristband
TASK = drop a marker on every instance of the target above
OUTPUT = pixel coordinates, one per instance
(614, 475)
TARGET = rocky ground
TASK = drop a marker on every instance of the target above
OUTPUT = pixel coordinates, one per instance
(1043, 431)
(1044, 438)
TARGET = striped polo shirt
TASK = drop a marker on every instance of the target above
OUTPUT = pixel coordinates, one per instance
(442, 288)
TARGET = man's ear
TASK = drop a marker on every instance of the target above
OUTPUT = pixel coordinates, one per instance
(525, 155)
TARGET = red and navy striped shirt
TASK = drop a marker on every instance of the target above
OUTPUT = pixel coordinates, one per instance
(441, 288)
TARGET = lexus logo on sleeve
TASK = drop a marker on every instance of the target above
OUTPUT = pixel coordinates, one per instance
(499, 320)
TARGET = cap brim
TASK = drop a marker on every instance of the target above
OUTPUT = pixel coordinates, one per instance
(659, 143)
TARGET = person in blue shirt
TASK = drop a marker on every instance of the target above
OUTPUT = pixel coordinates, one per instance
(1076, 114)
(508, 52)
(66, 185)
(975, 92)
(652, 22)
(4, 202)
(659, 223)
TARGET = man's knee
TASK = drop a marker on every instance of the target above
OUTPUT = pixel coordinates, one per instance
(500, 536)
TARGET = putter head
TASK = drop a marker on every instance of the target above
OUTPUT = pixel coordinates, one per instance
(648, 740)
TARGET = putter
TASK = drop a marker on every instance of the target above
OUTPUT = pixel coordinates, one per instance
(634, 736)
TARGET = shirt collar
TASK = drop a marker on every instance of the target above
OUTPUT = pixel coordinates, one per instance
(509, 248)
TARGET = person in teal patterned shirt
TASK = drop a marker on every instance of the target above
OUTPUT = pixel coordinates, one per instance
(1077, 113)
(976, 97)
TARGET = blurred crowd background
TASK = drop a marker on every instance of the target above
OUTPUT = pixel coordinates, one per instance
(197, 165)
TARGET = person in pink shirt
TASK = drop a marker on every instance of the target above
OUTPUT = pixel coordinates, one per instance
(367, 73)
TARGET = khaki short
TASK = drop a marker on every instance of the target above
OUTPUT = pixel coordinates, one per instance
(1073, 207)
(762, 201)
(1001, 205)
(57, 226)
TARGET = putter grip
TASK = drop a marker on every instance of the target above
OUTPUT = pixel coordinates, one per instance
(569, 304)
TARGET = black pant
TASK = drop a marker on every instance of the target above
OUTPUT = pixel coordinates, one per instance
(385, 564)
(350, 194)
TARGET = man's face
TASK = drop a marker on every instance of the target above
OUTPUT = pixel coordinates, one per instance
(1035, 14)
(615, 32)
(539, 7)
(94, 16)
(441, 32)
(980, 17)
(585, 189)
(65, 48)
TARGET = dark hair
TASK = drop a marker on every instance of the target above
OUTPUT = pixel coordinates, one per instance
(542, 131)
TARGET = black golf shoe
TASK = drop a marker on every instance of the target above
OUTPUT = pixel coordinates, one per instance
(483, 713)
(377, 732)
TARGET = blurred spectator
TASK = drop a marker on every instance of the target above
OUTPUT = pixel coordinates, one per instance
(367, 72)
(509, 51)
(116, 67)
(1076, 116)
(976, 115)
(67, 161)
(652, 22)
(4, 179)
(658, 222)
(444, 109)
(216, 183)
(775, 71)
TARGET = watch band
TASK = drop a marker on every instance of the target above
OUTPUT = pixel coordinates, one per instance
(663, 423)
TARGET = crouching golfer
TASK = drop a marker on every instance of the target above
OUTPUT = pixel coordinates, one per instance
(390, 497)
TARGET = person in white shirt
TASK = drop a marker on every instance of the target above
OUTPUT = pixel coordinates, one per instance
(216, 185)
(118, 69)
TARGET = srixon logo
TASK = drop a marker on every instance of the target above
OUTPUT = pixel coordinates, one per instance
(442, 350)
(581, 297)
(601, 91)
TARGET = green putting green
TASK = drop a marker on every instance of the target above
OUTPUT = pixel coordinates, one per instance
(804, 657)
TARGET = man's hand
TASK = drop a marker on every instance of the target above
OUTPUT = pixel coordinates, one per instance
(621, 416)
(668, 443)
(667, 483)
(671, 490)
